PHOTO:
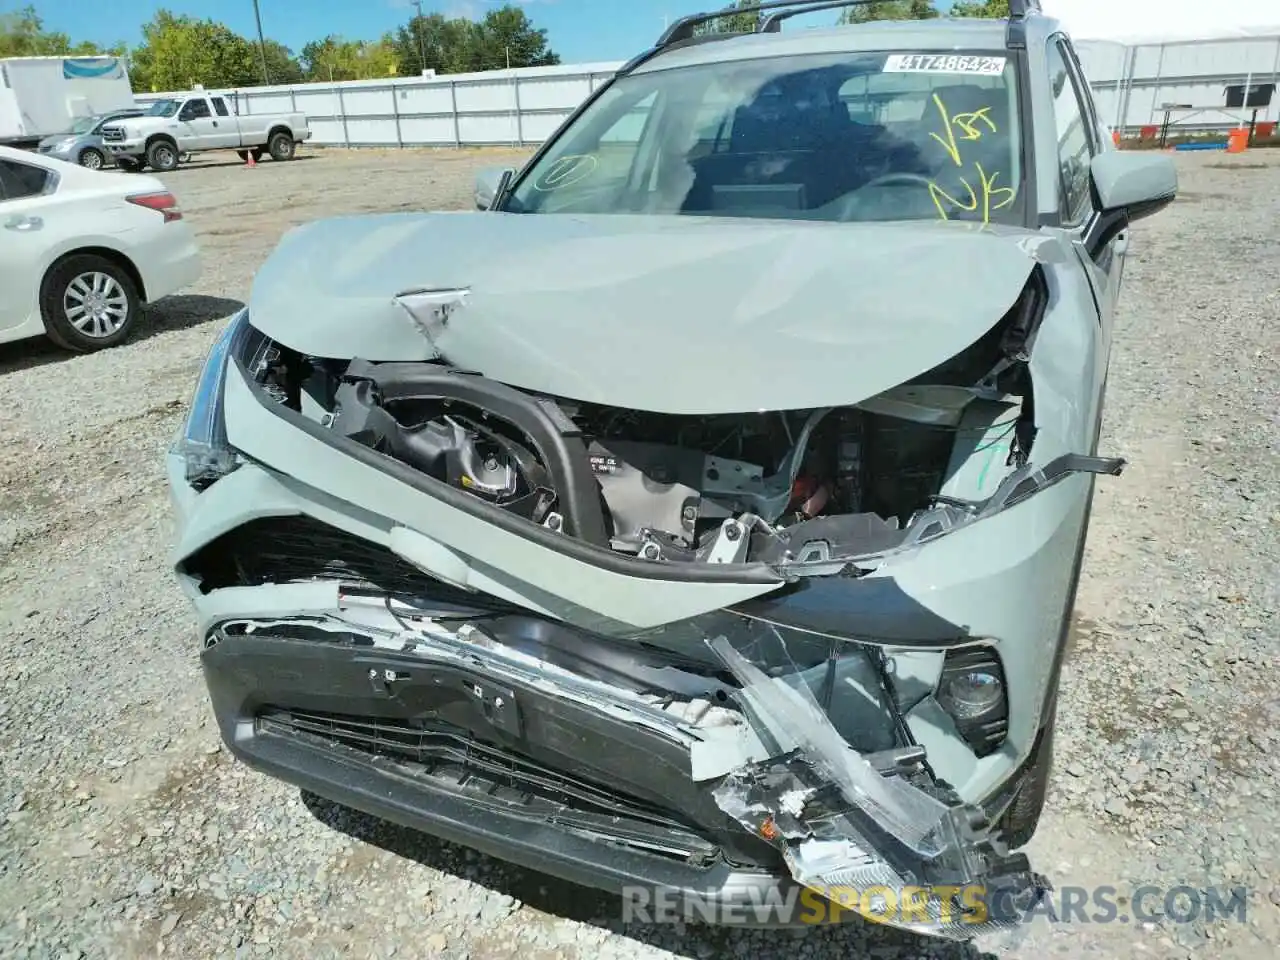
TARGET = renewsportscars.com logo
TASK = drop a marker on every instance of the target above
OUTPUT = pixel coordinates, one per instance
(913, 905)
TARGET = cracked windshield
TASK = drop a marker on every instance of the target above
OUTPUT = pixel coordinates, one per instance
(906, 135)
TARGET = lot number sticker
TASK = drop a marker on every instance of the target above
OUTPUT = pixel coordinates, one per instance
(943, 63)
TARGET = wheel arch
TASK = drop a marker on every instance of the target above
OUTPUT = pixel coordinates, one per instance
(107, 253)
(157, 137)
(280, 128)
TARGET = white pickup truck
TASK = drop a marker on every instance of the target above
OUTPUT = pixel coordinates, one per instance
(176, 126)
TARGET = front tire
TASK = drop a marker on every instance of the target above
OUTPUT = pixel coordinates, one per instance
(91, 159)
(1020, 820)
(162, 156)
(88, 303)
(281, 146)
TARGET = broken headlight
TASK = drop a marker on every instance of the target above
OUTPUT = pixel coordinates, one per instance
(202, 442)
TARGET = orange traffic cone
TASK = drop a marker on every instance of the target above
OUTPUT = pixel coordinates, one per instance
(248, 159)
(1115, 137)
(1238, 140)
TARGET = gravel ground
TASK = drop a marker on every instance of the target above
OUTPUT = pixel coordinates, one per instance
(126, 830)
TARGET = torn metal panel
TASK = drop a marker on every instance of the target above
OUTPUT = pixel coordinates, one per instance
(791, 713)
(845, 821)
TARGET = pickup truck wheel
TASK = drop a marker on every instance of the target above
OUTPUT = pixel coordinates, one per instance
(162, 156)
(91, 159)
(88, 303)
(281, 146)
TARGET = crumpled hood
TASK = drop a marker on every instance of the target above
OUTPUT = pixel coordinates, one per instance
(669, 314)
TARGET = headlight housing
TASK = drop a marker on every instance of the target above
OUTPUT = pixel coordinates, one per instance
(974, 691)
(202, 441)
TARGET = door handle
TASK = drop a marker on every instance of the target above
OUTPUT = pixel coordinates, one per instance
(25, 224)
(215, 123)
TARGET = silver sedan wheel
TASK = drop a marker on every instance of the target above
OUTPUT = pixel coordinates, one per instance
(95, 304)
(91, 159)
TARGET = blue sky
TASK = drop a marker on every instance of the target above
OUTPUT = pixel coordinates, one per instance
(579, 30)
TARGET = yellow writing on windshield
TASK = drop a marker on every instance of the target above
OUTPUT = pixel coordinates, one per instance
(961, 127)
(984, 195)
(983, 200)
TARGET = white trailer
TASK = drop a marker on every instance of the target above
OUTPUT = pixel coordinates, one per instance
(41, 96)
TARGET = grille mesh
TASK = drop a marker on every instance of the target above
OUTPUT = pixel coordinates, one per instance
(293, 549)
(449, 755)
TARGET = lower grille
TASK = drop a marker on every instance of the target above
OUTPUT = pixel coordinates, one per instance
(293, 549)
(448, 756)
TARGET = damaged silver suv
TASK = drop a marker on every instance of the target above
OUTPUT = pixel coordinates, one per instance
(705, 513)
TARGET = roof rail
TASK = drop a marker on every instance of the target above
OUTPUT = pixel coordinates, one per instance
(683, 28)
(773, 22)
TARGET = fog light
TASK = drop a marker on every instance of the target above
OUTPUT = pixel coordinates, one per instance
(974, 693)
(972, 690)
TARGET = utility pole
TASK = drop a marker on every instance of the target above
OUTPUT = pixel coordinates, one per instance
(422, 41)
(262, 43)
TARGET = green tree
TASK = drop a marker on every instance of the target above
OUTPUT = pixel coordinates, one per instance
(459, 45)
(746, 22)
(980, 8)
(22, 34)
(508, 36)
(178, 52)
(282, 65)
(436, 43)
(890, 10)
(335, 58)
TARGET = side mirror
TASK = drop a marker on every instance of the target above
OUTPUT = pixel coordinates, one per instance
(1129, 186)
(490, 181)
(1139, 184)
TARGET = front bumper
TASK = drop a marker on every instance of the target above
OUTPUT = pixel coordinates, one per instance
(135, 149)
(245, 675)
(431, 736)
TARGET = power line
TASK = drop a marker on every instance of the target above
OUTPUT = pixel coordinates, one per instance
(422, 40)
(262, 43)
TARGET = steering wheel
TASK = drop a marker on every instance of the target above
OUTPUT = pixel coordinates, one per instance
(902, 178)
(852, 204)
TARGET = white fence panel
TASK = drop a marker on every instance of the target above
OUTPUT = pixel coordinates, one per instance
(521, 106)
(1186, 74)
(525, 106)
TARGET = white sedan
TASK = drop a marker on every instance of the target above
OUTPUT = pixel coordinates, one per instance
(82, 250)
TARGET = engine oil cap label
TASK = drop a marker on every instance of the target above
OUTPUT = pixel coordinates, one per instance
(603, 464)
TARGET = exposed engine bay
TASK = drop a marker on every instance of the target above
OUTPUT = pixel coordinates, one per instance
(797, 486)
